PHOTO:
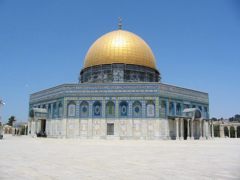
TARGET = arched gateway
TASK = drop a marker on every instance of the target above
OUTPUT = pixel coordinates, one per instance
(119, 96)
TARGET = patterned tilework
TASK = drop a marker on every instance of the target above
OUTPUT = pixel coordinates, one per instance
(150, 129)
(117, 107)
(123, 88)
(123, 127)
(143, 108)
(157, 107)
(70, 128)
(77, 104)
(103, 108)
(130, 109)
(96, 127)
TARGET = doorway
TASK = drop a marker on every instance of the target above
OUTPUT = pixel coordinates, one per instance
(110, 129)
(185, 129)
(43, 126)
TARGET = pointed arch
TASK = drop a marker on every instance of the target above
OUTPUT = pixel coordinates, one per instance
(97, 109)
(171, 108)
(84, 109)
(123, 109)
(150, 109)
(60, 109)
(137, 109)
(71, 109)
(163, 109)
(110, 108)
(178, 109)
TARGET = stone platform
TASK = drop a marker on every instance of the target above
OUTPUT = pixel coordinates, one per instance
(42, 158)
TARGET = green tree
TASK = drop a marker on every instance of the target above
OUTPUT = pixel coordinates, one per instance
(232, 132)
(11, 120)
(216, 131)
(226, 131)
(215, 119)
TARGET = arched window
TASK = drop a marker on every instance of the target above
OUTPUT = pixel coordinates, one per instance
(84, 109)
(54, 110)
(200, 107)
(185, 106)
(193, 106)
(60, 109)
(44, 106)
(137, 109)
(163, 109)
(97, 109)
(49, 111)
(124, 109)
(197, 114)
(178, 109)
(171, 108)
(71, 108)
(110, 109)
(150, 109)
(32, 113)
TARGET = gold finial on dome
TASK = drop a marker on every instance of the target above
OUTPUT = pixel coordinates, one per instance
(120, 23)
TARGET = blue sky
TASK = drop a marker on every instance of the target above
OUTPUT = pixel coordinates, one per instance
(196, 45)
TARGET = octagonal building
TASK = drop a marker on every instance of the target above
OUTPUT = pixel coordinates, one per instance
(119, 96)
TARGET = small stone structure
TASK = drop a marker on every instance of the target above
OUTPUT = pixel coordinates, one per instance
(226, 123)
(16, 129)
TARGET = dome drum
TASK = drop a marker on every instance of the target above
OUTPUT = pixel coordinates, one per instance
(116, 73)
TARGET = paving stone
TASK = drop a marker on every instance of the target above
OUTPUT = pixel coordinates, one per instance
(45, 158)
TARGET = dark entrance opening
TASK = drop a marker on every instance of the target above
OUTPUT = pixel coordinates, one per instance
(185, 130)
(43, 126)
(110, 129)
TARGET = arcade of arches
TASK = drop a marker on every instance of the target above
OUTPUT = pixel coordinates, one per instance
(230, 130)
(16, 131)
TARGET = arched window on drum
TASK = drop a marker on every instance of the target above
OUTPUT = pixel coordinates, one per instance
(163, 109)
(84, 109)
(110, 109)
(124, 109)
(97, 108)
(60, 109)
(150, 109)
(137, 109)
(71, 109)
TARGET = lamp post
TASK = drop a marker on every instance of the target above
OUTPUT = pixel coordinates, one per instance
(1, 103)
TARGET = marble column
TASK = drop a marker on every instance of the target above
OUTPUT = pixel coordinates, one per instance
(188, 134)
(212, 130)
(181, 132)
(35, 130)
(25, 133)
(192, 134)
(200, 122)
(204, 130)
(229, 132)
(177, 132)
(235, 132)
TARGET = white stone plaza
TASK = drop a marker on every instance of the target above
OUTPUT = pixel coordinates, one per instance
(47, 158)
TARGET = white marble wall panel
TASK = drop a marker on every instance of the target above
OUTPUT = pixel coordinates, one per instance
(137, 127)
(84, 127)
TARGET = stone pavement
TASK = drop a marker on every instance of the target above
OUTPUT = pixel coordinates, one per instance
(45, 158)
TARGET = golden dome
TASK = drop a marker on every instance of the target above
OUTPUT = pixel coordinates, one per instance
(120, 47)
